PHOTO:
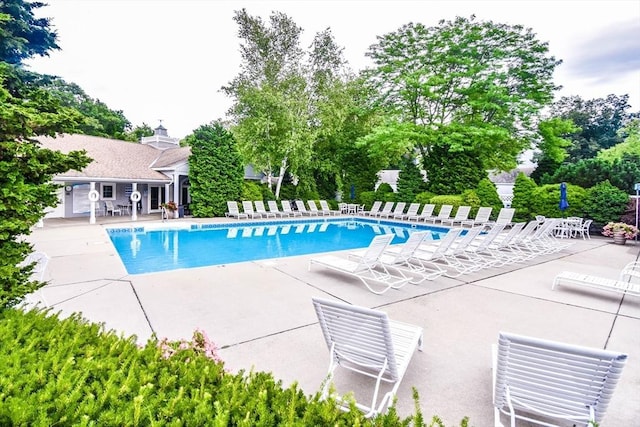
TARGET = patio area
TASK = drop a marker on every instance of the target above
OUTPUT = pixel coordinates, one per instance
(260, 314)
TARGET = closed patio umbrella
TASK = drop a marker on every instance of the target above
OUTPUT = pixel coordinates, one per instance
(564, 204)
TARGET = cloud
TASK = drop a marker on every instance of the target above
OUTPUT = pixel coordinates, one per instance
(612, 53)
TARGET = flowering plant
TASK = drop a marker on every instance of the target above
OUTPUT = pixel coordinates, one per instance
(170, 206)
(628, 231)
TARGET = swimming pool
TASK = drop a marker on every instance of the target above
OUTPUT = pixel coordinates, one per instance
(189, 245)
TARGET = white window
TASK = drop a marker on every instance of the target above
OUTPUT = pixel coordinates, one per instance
(108, 191)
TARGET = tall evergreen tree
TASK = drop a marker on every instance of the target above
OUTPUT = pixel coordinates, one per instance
(216, 170)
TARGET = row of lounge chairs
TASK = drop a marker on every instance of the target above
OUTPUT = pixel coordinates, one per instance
(248, 210)
(444, 216)
(382, 266)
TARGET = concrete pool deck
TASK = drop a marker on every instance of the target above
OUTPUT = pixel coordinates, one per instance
(260, 314)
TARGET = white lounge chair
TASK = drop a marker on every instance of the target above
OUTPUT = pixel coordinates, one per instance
(368, 268)
(286, 208)
(552, 381)
(313, 208)
(505, 216)
(411, 211)
(482, 216)
(303, 209)
(247, 207)
(397, 210)
(273, 208)
(234, 212)
(462, 214)
(399, 257)
(261, 209)
(426, 212)
(628, 281)
(326, 210)
(386, 210)
(367, 342)
(443, 213)
(375, 208)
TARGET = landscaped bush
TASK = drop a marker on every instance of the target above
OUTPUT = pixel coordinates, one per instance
(488, 194)
(251, 191)
(367, 198)
(424, 197)
(523, 198)
(70, 372)
(455, 200)
(470, 198)
(547, 200)
(605, 203)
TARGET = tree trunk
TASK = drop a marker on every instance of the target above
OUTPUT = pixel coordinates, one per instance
(283, 169)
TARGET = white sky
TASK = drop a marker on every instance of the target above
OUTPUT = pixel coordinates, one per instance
(167, 59)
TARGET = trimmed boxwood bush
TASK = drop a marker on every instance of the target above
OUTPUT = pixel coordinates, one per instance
(605, 203)
(455, 200)
(547, 200)
(70, 372)
(488, 194)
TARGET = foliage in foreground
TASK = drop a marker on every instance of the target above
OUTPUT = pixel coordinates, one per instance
(70, 372)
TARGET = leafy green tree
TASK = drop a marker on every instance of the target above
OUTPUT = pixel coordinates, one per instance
(553, 145)
(270, 97)
(523, 198)
(410, 181)
(598, 121)
(22, 35)
(461, 88)
(26, 169)
(604, 203)
(216, 171)
(630, 145)
(488, 195)
(452, 173)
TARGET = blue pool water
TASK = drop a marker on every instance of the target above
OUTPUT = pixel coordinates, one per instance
(146, 250)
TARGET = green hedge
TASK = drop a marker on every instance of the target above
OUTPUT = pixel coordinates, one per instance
(70, 372)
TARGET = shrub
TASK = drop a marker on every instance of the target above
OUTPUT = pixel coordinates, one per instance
(488, 194)
(367, 198)
(547, 200)
(424, 197)
(454, 200)
(410, 181)
(523, 198)
(604, 203)
(70, 372)
(470, 198)
(251, 191)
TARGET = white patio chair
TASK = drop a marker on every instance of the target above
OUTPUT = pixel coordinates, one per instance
(367, 268)
(426, 212)
(628, 282)
(385, 211)
(108, 207)
(303, 209)
(505, 216)
(397, 210)
(542, 381)
(326, 210)
(375, 208)
(286, 208)
(313, 209)
(233, 211)
(247, 207)
(482, 216)
(262, 210)
(411, 211)
(398, 257)
(443, 214)
(462, 214)
(273, 208)
(367, 342)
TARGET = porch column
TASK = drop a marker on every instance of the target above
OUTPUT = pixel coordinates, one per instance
(176, 188)
(135, 198)
(92, 208)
